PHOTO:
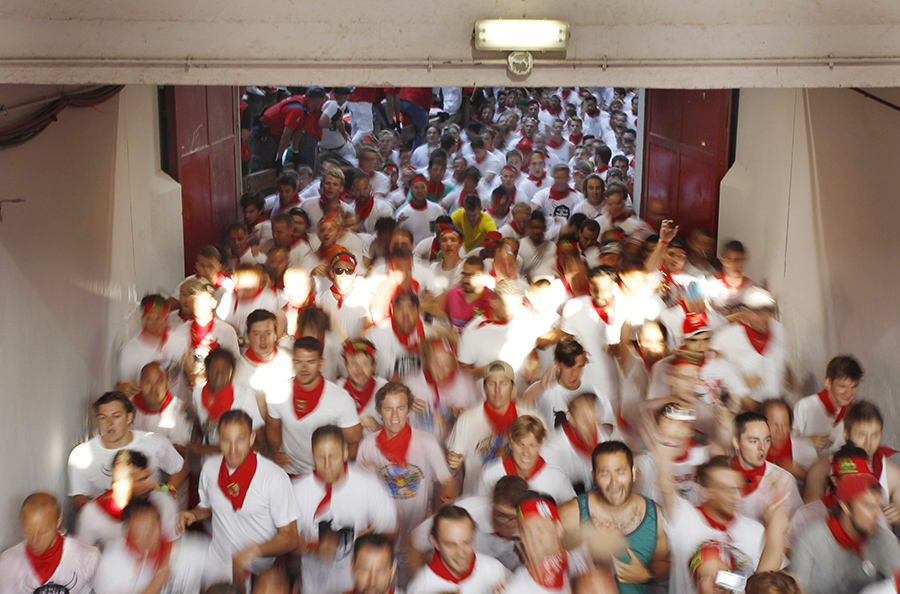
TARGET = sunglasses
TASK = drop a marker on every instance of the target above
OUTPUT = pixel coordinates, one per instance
(342, 271)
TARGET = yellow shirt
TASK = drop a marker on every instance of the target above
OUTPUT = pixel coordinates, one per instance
(472, 236)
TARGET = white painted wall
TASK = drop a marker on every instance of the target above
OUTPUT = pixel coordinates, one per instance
(813, 196)
(69, 277)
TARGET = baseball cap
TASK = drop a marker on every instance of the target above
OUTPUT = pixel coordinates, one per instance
(854, 477)
(315, 92)
(500, 367)
(694, 323)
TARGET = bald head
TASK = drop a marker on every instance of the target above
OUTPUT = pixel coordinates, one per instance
(41, 503)
(41, 520)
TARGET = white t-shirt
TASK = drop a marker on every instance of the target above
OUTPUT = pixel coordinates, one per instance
(460, 392)
(358, 504)
(97, 528)
(717, 376)
(558, 450)
(687, 529)
(523, 583)
(222, 335)
(171, 422)
(268, 505)
(137, 352)
(556, 399)
(775, 484)
(629, 226)
(490, 164)
(390, 355)
(244, 400)
(684, 475)
(527, 188)
(313, 208)
(335, 407)
(123, 571)
(487, 574)
(419, 222)
(354, 307)
(76, 570)
(483, 342)
(811, 418)
(560, 209)
(538, 260)
(581, 320)
(382, 209)
(90, 463)
(235, 311)
(770, 367)
(446, 279)
(263, 378)
(549, 479)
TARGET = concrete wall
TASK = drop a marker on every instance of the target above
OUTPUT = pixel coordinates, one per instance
(101, 225)
(812, 195)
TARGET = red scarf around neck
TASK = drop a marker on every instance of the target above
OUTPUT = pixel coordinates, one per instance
(306, 401)
(259, 360)
(555, 144)
(411, 341)
(606, 314)
(830, 407)
(584, 448)
(141, 404)
(509, 465)
(558, 194)
(338, 297)
(329, 488)
(576, 140)
(783, 456)
(515, 228)
(752, 477)
(45, 564)
(419, 206)
(363, 212)
(437, 566)
(363, 396)
(199, 333)
(156, 559)
(500, 422)
(538, 180)
(108, 505)
(550, 572)
(713, 523)
(396, 448)
(845, 540)
(759, 340)
(435, 189)
(219, 403)
(878, 460)
(236, 485)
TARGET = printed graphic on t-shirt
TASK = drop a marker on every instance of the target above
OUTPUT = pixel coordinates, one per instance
(492, 448)
(561, 210)
(402, 483)
(53, 588)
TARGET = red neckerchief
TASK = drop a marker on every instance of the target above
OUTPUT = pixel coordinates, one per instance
(220, 278)
(500, 422)
(509, 465)
(434, 385)
(490, 321)
(45, 564)
(183, 317)
(538, 180)
(108, 505)
(395, 448)
(551, 571)
(360, 397)
(256, 359)
(235, 486)
(463, 194)
(156, 559)
(162, 339)
(619, 218)
(551, 112)
(329, 487)
(712, 522)
(576, 140)
(260, 219)
(345, 197)
(525, 146)
(306, 401)
(219, 403)
(362, 213)
(141, 404)
(411, 341)
(878, 460)
(338, 297)
(784, 456)
(721, 277)
(759, 340)
(593, 115)
(845, 540)
(555, 144)
(199, 333)
(238, 300)
(607, 315)
(584, 448)
(435, 189)
(830, 501)
(603, 167)
(481, 160)
(437, 566)
(830, 408)
(753, 476)
(558, 195)
(687, 451)
(415, 206)
(580, 290)
(515, 228)
(493, 211)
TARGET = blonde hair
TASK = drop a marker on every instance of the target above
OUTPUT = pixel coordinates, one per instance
(527, 424)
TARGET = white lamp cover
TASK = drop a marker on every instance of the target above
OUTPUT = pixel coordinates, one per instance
(521, 34)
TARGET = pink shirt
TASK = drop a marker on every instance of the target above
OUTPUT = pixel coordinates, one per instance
(461, 312)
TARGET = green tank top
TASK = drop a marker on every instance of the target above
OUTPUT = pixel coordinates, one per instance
(642, 540)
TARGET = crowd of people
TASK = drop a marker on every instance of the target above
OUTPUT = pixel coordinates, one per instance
(465, 365)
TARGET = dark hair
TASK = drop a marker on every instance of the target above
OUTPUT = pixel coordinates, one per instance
(309, 343)
(603, 270)
(588, 224)
(235, 415)
(385, 224)
(537, 216)
(510, 489)
(619, 158)
(714, 463)
(765, 406)
(861, 411)
(578, 219)
(289, 178)
(153, 298)
(567, 351)
(133, 458)
(236, 226)
(114, 396)
(219, 353)
(660, 325)
(139, 506)
(475, 261)
(326, 431)
(616, 187)
(450, 513)
(471, 202)
(393, 387)
(401, 295)
(844, 366)
(253, 199)
(611, 447)
(211, 251)
(260, 315)
(477, 142)
(316, 317)
(439, 155)
(374, 540)
(472, 173)
(604, 153)
(299, 212)
(771, 582)
(745, 418)
(734, 246)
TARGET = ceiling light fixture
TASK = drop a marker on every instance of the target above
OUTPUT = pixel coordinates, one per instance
(521, 34)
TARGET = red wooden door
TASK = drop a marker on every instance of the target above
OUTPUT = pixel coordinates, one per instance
(202, 149)
(687, 149)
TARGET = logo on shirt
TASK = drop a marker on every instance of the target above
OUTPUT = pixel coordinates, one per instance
(401, 483)
(53, 588)
(234, 489)
(561, 210)
(492, 448)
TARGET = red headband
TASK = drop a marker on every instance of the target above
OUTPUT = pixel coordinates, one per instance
(538, 508)
(345, 256)
(418, 177)
(510, 168)
(390, 167)
(358, 346)
(448, 229)
(694, 323)
(329, 219)
(156, 306)
(711, 551)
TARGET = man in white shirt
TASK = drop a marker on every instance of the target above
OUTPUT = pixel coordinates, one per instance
(337, 502)
(617, 216)
(545, 567)
(398, 339)
(157, 411)
(329, 200)
(819, 418)
(46, 557)
(263, 367)
(419, 214)
(250, 295)
(537, 253)
(569, 447)
(373, 565)
(487, 163)
(536, 180)
(455, 566)
(299, 407)
(90, 463)
(558, 202)
(367, 208)
(792, 453)
(348, 297)
(250, 502)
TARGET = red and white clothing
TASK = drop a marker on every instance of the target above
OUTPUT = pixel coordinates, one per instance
(765, 491)
(90, 463)
(246, 257)
(593, 124)
(510, 229)
(202, 339)
(354, 504)
(769, 364)
(559, 205)
(487, 542)
(684, 474)
(537, 260)
(523, 583)
(689, 527)
(483, 577)
(263, 377)
(75, 568)
(458, 392)
(419, 221)
(314, 208)
(596, 328)
(724, 297)
(629, 225)
(333, 407)
(799, 451)
(393, 358)
(561, 151)
(171, 420)
(368, 214)
(565, 450)
(556, 398)
(818, 415)
(268, 505)
(224, 284)
(364, 399)
(351, 309)
(717, 376)
(209, 407)
(235, 310)
(141, 349)
(484, 341)
(124, 570)
(99, 522)
(545, 478)
(673, 318)
(529, 185)
(480, 441)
